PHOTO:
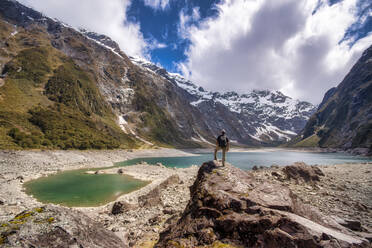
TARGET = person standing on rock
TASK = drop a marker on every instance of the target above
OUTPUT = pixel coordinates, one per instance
(222, 143)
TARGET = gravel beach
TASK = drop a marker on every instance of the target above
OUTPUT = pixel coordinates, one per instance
(138, 217)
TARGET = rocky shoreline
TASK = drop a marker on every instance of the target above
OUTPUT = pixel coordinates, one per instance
(17, 167)
(137, 218)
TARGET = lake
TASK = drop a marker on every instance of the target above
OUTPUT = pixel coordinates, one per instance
(246, 160)
(78, 189)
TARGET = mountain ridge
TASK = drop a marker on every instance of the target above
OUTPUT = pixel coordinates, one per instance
(271, 104)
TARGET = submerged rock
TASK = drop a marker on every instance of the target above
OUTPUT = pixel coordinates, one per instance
(229, 207)
(52, 226)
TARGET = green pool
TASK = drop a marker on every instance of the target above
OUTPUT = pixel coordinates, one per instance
(77, 189)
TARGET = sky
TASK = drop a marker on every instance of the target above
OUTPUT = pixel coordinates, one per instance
(300, 47)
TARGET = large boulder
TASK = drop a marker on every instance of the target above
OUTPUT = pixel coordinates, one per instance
(53, 226)
(301, 172)
(229, 207)
(171, 180)
(120, 207)
(151, 199)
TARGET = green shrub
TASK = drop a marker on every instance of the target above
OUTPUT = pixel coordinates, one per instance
(72, 86)
(67, 131)
(31, 64)
(25, 140)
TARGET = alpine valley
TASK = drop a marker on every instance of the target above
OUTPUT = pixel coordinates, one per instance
(66, 88)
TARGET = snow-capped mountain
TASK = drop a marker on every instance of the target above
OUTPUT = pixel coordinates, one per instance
(266, 116)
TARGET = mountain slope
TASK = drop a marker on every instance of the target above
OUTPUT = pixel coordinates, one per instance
(75, 89)
(344, 118)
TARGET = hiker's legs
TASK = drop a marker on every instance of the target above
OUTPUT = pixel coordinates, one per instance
(223, 155)
(215, 152)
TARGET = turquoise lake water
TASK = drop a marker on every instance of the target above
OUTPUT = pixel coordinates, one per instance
(78, 189)
(246, 160)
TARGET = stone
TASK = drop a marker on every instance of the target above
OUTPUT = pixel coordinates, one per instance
(229, 206)
(275, 174)
(120, 171)
(160, 165)
(155, 220)
(174, 179)
(151, 199)
(169, 211)
(354, 225)
(20, 178)
(120, 207)
(301, 172)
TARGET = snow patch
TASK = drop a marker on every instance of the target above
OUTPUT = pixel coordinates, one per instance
(107, 47)
(126, 129)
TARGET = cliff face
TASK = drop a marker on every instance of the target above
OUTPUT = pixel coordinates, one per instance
(344, 118)
(229, 208)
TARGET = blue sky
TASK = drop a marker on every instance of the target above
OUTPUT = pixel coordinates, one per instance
(300, 47)
(161, 26)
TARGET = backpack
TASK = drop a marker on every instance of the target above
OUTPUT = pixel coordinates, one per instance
(222, 141)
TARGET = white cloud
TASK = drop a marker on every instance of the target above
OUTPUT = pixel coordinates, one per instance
(154, 44)
(157, 4)
(105, 17)
(270, 44)
(186, 21)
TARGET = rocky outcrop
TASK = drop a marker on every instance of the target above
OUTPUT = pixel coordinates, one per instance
(56, 227)
(229, 207)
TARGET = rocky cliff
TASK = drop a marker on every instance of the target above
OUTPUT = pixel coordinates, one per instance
(344, 118)
(230, 208)
(66, 88)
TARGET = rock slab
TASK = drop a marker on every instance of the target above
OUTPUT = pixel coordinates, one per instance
(52, 226)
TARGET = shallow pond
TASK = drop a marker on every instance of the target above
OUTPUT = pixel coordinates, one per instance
(75, 188)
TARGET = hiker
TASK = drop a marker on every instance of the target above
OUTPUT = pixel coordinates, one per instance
(222, 143)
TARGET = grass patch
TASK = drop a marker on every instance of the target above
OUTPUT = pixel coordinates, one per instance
(311, 141)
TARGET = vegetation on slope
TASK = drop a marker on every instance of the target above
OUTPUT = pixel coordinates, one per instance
(156, 121)
(47, 101)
